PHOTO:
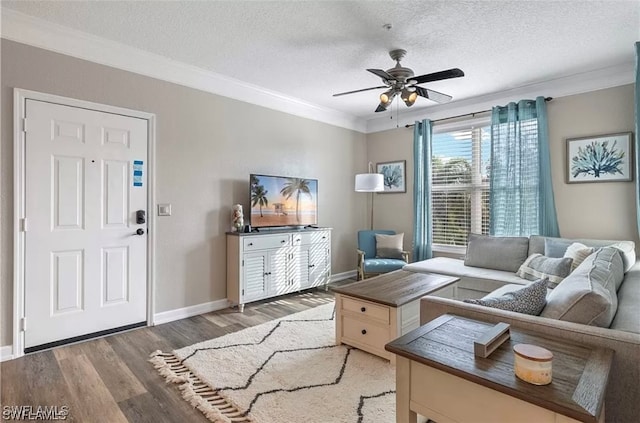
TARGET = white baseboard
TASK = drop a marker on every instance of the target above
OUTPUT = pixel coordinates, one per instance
(6, 352)
(344, 275)
(183, 313)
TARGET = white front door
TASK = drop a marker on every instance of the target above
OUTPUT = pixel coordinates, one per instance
(85, 263)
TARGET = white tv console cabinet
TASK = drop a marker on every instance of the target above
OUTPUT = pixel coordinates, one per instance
(276, 262)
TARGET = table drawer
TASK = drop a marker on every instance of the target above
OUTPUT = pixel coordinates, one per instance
(364, 332)
(365, 308)
(441, 392)
(264, 242)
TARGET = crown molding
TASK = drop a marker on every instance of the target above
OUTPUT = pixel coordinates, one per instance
(37, 32)
(560, 87)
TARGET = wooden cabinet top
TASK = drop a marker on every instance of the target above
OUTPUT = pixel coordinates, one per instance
(396, 288)
(580, 373)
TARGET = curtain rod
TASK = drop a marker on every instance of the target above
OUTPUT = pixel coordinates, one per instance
(409, 125)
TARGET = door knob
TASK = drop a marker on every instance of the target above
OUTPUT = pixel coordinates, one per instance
(140, 231)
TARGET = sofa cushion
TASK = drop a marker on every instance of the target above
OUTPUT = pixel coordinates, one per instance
(499, 253)
(588, 295)
(627, 248)
(537, 266)
(474, 282)
(529, 299)
(578, 253)
(483, 280)
(389, 246)
(628, 315)
(555, 247)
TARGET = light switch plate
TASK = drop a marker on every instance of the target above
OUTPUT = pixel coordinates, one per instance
(164, 209)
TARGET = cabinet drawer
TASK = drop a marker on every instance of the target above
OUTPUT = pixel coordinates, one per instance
(314, 237)
(263, 242)
(363, 332)
(364, 308)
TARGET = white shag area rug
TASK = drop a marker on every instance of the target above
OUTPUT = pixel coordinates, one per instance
(283, 371)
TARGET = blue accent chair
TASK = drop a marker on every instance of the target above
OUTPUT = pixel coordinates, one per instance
(368, 264)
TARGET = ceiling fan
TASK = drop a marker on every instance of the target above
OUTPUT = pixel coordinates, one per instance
(400, 80)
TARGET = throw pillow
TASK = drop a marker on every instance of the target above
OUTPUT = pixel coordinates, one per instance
(499, 253)
(389, 246)
(578, 252)
(555, 247)
(628, 253)
(530, 299)
(537, 266)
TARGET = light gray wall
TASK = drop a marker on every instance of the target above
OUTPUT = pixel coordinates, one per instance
(206, 147)
(595, 210)
(604, 210)
(395, 210)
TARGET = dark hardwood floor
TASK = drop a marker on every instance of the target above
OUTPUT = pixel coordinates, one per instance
(110, 380)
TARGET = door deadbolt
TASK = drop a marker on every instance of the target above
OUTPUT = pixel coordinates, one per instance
(140, 231)
(140, 217)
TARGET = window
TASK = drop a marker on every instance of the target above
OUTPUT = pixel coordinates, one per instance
(460, 184)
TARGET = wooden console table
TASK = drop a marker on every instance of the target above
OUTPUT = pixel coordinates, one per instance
(374, 311)
(439, 377)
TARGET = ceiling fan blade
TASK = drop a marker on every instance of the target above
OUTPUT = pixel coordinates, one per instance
(436, 96)
(380, 108)
(382, 74)
(437, 76)
(357, 91)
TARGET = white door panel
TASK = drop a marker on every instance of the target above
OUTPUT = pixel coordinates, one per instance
(85, 269)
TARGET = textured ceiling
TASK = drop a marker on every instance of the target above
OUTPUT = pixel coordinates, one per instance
(312, 49)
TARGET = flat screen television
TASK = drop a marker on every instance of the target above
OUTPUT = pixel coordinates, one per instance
(283, 201)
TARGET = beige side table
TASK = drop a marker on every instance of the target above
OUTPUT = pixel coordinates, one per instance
(439, 377)
(374, 311)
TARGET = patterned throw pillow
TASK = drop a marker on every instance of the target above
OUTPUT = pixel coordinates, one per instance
(530, 299)
(389, 246)
(537, 266)
(578, 252)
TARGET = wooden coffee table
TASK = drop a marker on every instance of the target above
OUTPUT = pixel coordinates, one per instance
(372, 312)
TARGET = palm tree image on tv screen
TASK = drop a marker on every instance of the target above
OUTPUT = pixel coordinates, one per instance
(283, 201)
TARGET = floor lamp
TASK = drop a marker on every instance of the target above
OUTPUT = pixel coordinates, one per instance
(370, 182)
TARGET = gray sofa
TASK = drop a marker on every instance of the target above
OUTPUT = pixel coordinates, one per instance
(622, 333)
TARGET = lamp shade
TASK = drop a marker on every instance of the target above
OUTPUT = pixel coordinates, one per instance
(369, 182)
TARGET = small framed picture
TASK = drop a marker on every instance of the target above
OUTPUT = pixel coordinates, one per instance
(395, 176)
(600, 158)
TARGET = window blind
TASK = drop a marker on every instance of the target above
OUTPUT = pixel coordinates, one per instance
(460, 184)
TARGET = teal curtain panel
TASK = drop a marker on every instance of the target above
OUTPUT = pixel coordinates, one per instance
(423, 217)
(547, 217)
(521, 193)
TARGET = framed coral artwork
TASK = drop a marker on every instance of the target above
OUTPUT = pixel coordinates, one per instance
(395, 176)
(601, 158)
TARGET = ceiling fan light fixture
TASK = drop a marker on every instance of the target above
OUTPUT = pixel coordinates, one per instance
(409, 97)
(387, 97)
